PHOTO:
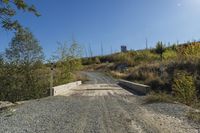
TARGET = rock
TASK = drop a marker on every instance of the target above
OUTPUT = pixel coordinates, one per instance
(5, 104)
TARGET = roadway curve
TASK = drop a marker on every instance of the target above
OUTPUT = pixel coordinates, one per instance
(99, 106)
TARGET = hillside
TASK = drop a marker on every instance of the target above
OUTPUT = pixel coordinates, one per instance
(173, 72)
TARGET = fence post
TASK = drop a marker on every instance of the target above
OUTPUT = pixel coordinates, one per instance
(51, 80)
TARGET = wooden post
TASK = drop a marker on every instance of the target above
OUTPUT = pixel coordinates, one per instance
(51, 80)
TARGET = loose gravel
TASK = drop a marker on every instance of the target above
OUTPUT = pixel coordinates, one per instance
(86, 110)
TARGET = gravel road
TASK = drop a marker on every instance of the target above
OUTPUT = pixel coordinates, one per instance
(99, 106)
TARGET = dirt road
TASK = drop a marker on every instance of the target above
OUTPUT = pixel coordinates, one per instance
(99, 106)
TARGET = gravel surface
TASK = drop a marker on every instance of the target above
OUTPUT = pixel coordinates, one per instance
(175, 110)
(100, 106)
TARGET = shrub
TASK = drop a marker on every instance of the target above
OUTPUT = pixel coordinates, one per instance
(123, 58)
(169, 54)
(195, 116)
(87, 61)
(145, 56)
(190, 51)
(19, 76)
(97, 60)
(158, 97)
(67, 58)
(184, 88)
(118, 75)
(160, 49)
(193, 50)
(150, 74)
(138, 76)
(157, 84)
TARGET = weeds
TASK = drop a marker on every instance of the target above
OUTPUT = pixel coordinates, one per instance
(158, 97)
(195, 116)
(184, 88)
(144, 66)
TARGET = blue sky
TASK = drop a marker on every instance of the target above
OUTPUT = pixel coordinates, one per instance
(110, 22)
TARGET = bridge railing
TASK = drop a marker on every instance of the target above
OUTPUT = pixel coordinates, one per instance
(62, 89)
(135, 87)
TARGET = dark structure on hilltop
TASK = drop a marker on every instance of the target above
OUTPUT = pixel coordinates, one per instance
(123, 48)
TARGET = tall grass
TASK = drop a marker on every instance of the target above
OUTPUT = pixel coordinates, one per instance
(184, 88)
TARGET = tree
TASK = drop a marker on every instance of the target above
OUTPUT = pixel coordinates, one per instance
(24, 49)
(97, 60)
(8, 9)
(160, 49)
(1, 60)
(24, 57)
(68, 61)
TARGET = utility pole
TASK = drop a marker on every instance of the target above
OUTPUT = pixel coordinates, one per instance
(101, 49)
(177, 42)
(111, 50)
(85, 51)
(90, 50)
(146, 43)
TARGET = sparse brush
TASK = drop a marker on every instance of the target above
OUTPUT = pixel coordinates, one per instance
(194, 115)
(158, 97)
(118, 75)
(184, 88)
(81, 77)
(144, 66)
(169, 55)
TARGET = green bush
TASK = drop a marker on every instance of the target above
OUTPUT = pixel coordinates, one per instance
(195, 116)
(97, 60)
(67, 60)
(184, 88)
(169, 54)
(123, 58)
(145, 56)
(157, 84)
(19, 75)
(193, 50)
(160, 49)
(158, 97)
(87, 61)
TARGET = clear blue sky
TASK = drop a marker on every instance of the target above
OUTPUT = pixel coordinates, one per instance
(112, 22)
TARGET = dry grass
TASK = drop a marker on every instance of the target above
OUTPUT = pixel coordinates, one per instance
(184, 88)
(195, 116)
(118, 75)
(93, 67)
(158, 97)
(146, 67)
(81, 77)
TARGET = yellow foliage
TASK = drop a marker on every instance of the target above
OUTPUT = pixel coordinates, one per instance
(184, 88)
(191, 51)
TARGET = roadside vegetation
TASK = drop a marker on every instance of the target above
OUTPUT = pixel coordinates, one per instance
(67, 61)
(24, 73)
(9, 10)
(173, 71)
